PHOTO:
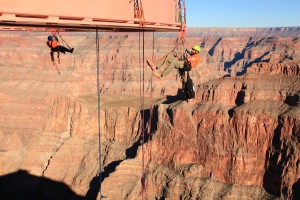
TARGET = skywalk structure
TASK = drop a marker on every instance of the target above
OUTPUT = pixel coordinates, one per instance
(87, 15)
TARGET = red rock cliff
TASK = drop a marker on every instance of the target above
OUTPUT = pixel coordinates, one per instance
(239, 138)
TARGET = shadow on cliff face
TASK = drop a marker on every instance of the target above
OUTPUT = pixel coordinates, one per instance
(239, 100)
(212, 49)
(257, 60)
(241, 56)
(238, 56)
(22, 185)
(94, 188)
(292, 100)
(296, 190)
(271, 180)
(149, 119)
(278, 155)
(178, 97)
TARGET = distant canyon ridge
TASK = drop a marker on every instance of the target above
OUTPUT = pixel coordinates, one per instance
(238, 139)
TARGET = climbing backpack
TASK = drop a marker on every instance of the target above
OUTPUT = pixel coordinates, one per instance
(189, 88)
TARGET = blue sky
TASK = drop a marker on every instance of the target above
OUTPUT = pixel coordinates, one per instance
(243, 13)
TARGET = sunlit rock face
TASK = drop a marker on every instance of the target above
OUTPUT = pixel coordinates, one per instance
(238, 139)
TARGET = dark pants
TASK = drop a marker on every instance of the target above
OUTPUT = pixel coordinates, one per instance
(61, 49)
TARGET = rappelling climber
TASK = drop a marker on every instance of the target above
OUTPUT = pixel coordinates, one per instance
(54, 45)
(170, 62)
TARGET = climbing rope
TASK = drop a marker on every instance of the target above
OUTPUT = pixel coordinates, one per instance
(151, 109)
(149, 131)
(179, 41)
(179, 45)
(142, 99)
(182, 15)
(139, 12)
(64, 42)
(98, 93)
(55, 32)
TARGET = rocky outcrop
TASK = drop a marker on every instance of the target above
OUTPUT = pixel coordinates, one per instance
(205, 157)
(282, 171)
(286, 68)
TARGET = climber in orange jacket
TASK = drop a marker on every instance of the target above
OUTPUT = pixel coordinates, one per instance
(170, 62)
(54, 45)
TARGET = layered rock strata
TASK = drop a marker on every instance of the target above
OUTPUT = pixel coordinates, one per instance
(239, 138)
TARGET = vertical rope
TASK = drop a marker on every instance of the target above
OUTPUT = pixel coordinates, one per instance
(151, 111)
(142, 100)
(98, 92)
(149, 130)
(143, 108)
(182, 18)
(140, 12)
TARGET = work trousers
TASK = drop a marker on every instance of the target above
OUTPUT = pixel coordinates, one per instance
(168, 64)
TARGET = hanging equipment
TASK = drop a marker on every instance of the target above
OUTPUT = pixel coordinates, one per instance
(98, 93)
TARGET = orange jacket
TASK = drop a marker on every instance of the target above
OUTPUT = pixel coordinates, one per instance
(52, 44)
(194, 59)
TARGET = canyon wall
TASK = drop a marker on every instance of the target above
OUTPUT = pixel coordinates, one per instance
(238, 139)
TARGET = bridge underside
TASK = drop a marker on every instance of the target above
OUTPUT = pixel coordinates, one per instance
(77, 26)
(89, 15)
